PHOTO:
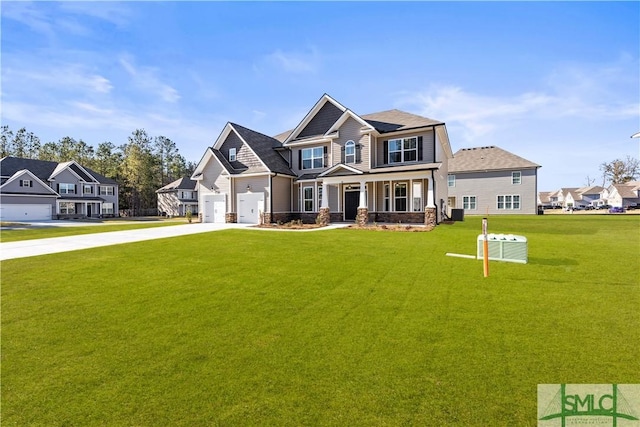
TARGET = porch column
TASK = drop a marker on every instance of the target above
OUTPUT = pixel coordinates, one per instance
(430, 197)
(362, 215)
(325, 195)
(324, 218)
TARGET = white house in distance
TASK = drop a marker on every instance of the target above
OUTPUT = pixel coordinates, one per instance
(490, 180)
(178, 197)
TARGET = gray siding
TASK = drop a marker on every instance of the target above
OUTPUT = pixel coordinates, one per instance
(322, 121)
(245, 158)
(14, 186)
(428, 148)
(486, 186)
(7, 199)
(296, 166)
(281, 194)
(259, 184)
(350, 130)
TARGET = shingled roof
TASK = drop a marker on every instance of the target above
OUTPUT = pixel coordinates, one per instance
(487, 158)
(264, 146)
(396, 120)
(183, 183)
(43, 169)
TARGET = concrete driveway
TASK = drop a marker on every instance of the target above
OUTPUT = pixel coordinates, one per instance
(27, 248)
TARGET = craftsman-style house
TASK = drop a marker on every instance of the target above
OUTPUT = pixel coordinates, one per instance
(335, 165)
(34, 190)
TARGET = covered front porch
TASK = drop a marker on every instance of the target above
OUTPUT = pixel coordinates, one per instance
(83, 208)
(401, 197)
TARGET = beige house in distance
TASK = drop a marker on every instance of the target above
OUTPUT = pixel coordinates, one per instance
(490, 180)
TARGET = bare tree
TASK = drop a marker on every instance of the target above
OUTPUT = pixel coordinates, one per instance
(620, 171)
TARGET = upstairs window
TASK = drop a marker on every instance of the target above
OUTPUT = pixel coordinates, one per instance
(67, 188)
(88, 189)
(516, 178)
(232, 154)
(106, 190)
(312, 158)
(350, 152)
(26, 183)
(451, 180)
(402, 150)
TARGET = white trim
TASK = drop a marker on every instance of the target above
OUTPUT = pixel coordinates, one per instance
(19, 174)
(350, 144)
(310, 115)
(311, 141)
(340, 166)
(249, 147)
(345, 116)
(233, 154)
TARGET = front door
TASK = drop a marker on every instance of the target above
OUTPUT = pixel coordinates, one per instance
(351, 201)
(89, 210)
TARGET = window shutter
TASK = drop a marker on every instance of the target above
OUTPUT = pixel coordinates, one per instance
(300, 159)
(343, 155)
(75, 188)
(20, 183)
(30, 183)
(419, 148)
(385, 158)
(58, 188)
(326, 157)
(358, 153)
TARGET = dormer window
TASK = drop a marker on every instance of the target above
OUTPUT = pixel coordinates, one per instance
(350, 152)
(26, 183)
(232, 154)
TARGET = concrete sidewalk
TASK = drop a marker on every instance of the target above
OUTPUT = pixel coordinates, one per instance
(27, 248)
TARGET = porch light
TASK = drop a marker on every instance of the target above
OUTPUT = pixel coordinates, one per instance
(249, 187)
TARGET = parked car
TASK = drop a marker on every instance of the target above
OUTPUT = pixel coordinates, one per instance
(603, 206)
(632, 207)
(589, 208)
(616, 209)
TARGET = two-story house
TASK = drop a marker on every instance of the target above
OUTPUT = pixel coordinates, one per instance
(335, 165)
(178, 197)
(32, 190)
(490, 180)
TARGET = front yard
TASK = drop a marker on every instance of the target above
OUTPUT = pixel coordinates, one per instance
(335, 327)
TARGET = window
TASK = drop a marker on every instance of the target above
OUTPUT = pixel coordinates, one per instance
(516, 178)
(88, 189)
(107, 209)
(451, 180)
(232, 154)
(508, 202)
(319, 197)
(386, 198)
(350, 152)
(400, 198)
(26, 183)
(417, 196)
(403, 150)
(313, 158)
(67, 189)
(469, 202)
(67, 208)
(106, 191)
(307, 199)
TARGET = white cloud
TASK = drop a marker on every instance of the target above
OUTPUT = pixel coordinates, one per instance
(146, 79)
(295, 62)
(67, 76)
(568, 93)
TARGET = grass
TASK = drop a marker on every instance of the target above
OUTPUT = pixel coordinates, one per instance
(336, 327)
(18, 232)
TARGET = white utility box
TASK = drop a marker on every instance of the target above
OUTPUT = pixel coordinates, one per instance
(505, 247)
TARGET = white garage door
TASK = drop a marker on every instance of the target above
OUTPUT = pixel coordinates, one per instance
(249, 207)
(214, 208)
(25, 212)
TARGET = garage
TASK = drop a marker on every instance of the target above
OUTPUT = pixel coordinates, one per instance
(214, 208)
(23, 212)
(250, 205)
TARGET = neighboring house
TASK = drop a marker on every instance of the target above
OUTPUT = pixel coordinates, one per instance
(622, 195)
(589, 196)
(178, 198)
(491, 180)
(41, 190)
(389, 166)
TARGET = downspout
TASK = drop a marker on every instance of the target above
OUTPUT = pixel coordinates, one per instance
(271, 195)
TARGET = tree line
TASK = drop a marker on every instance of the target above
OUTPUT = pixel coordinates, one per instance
(140, 166)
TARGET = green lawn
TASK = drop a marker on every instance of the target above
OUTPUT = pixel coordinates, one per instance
(17, 233)
(340, 327)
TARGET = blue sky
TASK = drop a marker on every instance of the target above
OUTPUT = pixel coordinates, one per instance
(557, 83)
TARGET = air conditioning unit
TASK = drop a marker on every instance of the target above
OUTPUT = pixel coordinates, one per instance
(505, 247)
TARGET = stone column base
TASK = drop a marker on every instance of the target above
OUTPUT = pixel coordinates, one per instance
(265, 218)
(430, 218)
(362, 217)
(230, 217)
(324, 217)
